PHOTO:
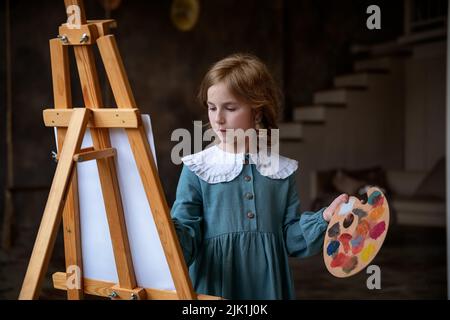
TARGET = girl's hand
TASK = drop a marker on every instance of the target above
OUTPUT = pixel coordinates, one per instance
(328, 212)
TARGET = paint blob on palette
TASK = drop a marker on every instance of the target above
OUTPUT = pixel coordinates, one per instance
(356, 233)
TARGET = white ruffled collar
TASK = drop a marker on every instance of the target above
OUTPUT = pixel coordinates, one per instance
(215, 165)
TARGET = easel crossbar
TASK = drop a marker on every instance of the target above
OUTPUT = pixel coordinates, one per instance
(100, 118)
(104, 289)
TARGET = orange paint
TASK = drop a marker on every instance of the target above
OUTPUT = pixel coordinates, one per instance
(363, 228)
(376, 213)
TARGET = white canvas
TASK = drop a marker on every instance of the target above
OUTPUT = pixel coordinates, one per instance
(149, 261)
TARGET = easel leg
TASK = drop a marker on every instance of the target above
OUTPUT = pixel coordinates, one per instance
(72, 239)
(147, 169)
(71, 216)
(51, 219)
(107, 171)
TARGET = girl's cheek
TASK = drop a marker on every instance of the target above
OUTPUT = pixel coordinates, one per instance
(244, 120)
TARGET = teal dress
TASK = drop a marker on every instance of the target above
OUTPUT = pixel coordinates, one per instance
(236, 236)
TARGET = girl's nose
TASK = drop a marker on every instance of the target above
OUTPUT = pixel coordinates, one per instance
(219, 117)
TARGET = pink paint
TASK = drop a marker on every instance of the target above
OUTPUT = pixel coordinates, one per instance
(378, 201)
(377, 230)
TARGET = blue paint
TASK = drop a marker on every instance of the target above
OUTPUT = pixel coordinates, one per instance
(373, 198)
(333, 247)
(357, 241)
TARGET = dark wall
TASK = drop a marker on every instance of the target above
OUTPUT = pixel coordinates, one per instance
(303, 42)
(318, 36)
(2, 108)
(165, 65)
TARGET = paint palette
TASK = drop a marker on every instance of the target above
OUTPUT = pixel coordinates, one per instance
(356, 233)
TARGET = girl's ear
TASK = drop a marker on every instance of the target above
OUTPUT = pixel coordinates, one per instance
(258, 116)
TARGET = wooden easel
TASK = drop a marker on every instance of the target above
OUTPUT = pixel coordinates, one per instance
(63, 196)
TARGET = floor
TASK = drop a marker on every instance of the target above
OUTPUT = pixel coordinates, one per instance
(412, 263)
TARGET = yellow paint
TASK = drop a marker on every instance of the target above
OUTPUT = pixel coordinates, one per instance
(367, 253)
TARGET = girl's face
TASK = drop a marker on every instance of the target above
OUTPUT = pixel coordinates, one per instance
(225, 111)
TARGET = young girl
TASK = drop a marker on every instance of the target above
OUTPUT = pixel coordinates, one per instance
(237, 217)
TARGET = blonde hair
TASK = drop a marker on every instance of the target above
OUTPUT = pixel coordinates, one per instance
(248, 78)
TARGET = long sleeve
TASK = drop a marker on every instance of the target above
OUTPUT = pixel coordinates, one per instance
(303, 233)
(187, 214)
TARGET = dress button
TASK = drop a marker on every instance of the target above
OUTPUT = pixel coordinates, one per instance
(250, 215)
(249, 196)
(247, 178)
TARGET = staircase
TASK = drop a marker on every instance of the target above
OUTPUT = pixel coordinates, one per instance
(346, 126)
(367, 75)
(356, 124)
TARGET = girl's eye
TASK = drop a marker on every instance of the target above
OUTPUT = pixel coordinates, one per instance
(211, 108)
(231, 108)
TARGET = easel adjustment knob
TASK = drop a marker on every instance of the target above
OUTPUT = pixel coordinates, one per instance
(84, 38)
(55, 156)
(119, 293)
(63, 39)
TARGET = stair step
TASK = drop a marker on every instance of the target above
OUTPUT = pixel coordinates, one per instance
(307, 114)
(405, 183)
(381, 49)
(290, 131)
(355, 80)
(424, 36)
(334, 96)
(377, 64)
(420, 212)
